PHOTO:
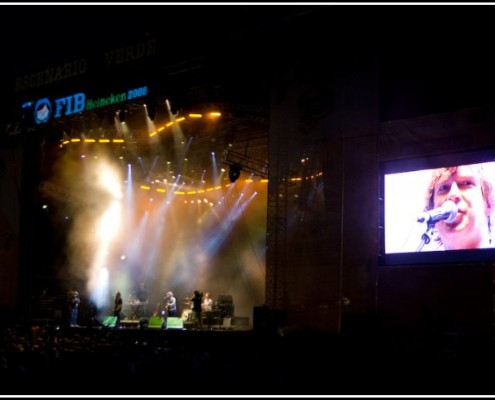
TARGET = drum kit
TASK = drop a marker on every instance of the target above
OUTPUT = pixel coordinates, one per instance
(187, 310)
(210, 318)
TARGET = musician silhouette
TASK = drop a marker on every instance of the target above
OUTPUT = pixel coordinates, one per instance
(197, 301)
(170, 304)
(117, 308)
(207, 308)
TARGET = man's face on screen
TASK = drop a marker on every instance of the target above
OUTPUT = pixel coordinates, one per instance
(470, 228)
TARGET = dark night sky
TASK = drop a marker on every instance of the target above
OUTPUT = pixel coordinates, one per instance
(61, 30)
(433, 58)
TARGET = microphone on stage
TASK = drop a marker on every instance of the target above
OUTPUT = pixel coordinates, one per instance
(447, 212)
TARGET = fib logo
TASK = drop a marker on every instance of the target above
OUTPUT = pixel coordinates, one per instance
(63, 106)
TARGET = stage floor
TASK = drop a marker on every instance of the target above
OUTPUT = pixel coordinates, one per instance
(232, 324)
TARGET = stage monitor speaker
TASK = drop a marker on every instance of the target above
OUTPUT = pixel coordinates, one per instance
(109, 321)
(175, 323)
(155, 323)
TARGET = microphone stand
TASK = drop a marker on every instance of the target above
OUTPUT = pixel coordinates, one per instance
(426, 237)
(448, 212)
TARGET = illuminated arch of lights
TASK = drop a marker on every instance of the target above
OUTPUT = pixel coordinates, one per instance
(161, 190)
(168, 125)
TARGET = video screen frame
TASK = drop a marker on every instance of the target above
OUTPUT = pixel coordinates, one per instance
(403, 184)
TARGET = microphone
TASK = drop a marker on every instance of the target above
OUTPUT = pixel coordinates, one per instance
(447, 212)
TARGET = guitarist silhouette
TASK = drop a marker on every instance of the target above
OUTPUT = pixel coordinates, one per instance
(170, 304)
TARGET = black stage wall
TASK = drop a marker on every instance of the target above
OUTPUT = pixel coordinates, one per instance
(344, 114)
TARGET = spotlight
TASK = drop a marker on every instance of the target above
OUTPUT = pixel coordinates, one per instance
(172, 106)
(122, 115)
(234, 173)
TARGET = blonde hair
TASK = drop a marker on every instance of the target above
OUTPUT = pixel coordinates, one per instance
(486, 189)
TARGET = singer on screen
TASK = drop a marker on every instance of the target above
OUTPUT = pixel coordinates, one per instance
(459, 204)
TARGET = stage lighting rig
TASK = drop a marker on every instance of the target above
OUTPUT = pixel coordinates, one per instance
(234, 173)
(238, 161)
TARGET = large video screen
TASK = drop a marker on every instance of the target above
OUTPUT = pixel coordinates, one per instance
(438, 209)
